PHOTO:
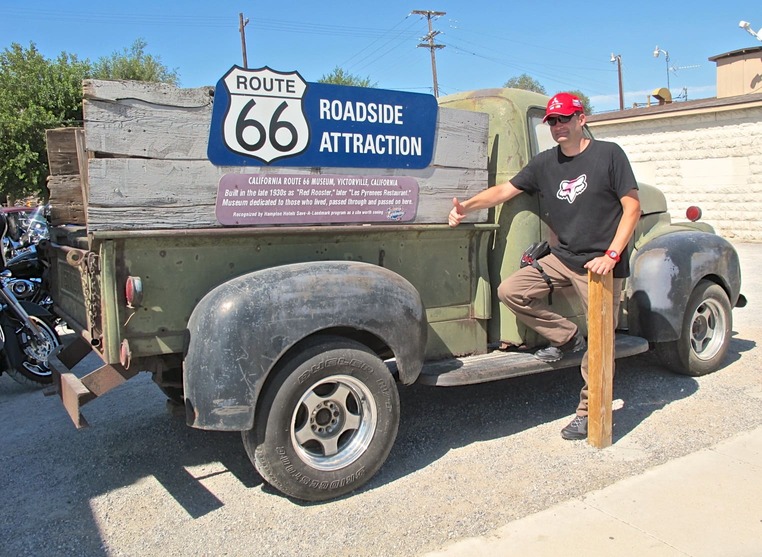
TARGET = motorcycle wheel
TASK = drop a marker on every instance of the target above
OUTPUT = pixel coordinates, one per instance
(34, 368)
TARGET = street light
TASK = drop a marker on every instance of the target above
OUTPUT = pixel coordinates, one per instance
(658, 51)
(617, 59)
(746, 25)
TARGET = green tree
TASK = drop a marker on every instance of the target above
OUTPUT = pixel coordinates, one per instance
(134, 63)
(35, 94)
(526, 82)
(339, 77)
(585, 101)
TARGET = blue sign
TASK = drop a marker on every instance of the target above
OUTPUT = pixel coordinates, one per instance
(263, 117)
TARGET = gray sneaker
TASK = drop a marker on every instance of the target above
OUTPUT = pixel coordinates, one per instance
(555, 353)
(577, 429)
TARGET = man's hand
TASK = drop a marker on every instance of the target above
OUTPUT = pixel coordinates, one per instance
(601, 265)
(457, 214)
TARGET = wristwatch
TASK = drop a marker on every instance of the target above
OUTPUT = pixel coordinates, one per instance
(613, 255)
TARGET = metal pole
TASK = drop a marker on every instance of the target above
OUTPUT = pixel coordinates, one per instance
(618, 59)
(430, 45)
(241, 25)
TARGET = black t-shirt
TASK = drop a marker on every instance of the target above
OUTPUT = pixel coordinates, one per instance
(580, 199)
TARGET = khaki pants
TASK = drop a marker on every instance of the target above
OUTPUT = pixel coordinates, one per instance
(525, 291)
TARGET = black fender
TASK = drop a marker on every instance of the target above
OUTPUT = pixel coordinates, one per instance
(239, 330)
(664, 273)
(35, 309)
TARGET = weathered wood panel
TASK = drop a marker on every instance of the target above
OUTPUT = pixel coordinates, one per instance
(138, 194)
(132, 128)
(66, 206)
(154, 93)
(150, 168)
(62, 151)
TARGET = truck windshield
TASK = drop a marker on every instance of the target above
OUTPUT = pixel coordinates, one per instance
(539, 133)
(540, 138)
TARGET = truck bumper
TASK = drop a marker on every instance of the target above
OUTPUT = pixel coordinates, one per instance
(76, 391)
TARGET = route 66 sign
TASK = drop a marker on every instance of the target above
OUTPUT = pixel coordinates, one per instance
(265, 117)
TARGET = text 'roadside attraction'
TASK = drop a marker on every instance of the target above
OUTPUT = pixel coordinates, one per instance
(267, 118)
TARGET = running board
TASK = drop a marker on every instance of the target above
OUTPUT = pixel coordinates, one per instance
(498, 364)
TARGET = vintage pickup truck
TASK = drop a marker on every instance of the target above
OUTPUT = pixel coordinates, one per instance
(299, 336)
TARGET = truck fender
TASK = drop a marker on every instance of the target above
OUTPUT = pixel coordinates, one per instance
(239, 330)
(664, 273)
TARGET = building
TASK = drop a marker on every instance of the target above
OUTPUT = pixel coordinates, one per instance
(706, 152)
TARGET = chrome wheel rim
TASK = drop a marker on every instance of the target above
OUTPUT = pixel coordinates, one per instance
(334, 422)
(708, 329)
(37, 351)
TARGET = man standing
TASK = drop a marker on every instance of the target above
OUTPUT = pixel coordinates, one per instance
(589, 195)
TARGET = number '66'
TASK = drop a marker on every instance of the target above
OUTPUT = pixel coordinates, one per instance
(243, 123)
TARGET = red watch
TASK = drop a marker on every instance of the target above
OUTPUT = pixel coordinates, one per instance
(613, 255)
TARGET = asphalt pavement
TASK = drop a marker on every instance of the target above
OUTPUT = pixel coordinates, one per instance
(475, 470)
(705, 504)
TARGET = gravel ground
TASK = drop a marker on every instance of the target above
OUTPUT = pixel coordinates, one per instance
(467, 460)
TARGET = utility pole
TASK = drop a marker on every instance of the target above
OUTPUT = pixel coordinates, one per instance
(617, 58)
(241, 24)
(430, 44)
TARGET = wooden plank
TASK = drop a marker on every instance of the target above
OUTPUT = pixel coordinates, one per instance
(153, 93)
(62, 151)
(600, 331)
(142, 194)
(135, 129)
(66, 206)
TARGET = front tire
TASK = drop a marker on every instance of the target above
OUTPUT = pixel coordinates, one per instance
(34, 368)
(705, 333)
(327, 422)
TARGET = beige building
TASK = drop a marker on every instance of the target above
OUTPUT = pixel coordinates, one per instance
(706, 152)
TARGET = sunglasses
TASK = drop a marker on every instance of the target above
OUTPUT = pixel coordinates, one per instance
(553, 120)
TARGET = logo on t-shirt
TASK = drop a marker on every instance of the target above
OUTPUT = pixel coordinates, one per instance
(570, 189)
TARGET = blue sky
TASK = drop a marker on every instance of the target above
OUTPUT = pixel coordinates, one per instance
(563, 45)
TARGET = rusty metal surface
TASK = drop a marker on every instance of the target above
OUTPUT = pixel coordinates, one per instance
(75, 392)
(664, 273)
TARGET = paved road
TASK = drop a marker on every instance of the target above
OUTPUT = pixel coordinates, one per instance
(467, 461)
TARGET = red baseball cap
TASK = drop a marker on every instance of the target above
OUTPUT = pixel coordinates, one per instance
(563, 104)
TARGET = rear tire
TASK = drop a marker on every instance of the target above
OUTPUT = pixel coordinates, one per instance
(705, 333)
(327, 422)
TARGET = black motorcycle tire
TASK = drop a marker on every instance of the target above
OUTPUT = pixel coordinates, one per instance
(34, 369)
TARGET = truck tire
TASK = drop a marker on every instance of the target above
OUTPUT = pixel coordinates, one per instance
(705, 333)
(327, 422)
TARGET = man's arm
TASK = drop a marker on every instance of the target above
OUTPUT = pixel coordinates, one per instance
(483, 200)
(630, 217)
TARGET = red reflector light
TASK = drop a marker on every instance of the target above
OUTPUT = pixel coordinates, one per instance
(125, 354)
(693, 213)
(133, 291)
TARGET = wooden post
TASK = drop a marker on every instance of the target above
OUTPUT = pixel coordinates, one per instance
(600, 353)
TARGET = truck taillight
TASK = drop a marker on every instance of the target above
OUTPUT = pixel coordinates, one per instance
(125, 354)
(693, 213)
(133, 292)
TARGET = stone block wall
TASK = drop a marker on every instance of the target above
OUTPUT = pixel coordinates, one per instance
(710, 159)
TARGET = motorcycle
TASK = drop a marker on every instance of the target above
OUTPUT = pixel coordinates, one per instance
(26, 229)
(27, 330)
